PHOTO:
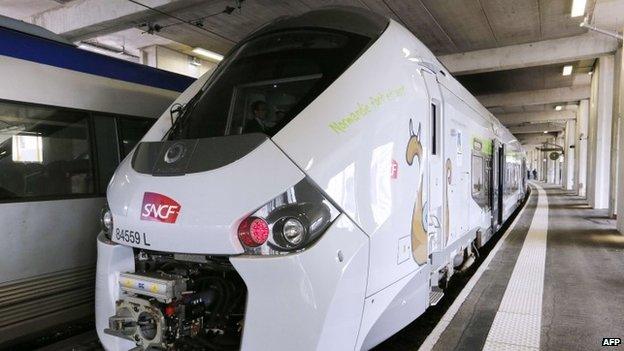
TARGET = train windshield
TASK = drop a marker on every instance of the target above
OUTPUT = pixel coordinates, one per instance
(267, 82)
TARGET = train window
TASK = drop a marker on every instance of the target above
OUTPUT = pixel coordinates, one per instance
(107, 150)
(434, 129)
(261, 106)
(44, 151)
(131, 131)
(480, 187)
(477, 175)
(267, 81)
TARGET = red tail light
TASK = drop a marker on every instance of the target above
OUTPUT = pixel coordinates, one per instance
(253, 231)
(290, 222)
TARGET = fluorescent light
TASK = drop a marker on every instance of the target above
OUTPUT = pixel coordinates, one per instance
(545, 132)
(567, 70)
(578, 8)
(558, 108)
(208, 54)
(193, 61)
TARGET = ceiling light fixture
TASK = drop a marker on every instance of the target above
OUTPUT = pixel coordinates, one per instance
(558, 108)
(567, 70)
(208, 54)
(545, 132)
(578, 8)
(193, 61)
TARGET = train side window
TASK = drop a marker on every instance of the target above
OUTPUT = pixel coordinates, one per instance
(434, 128)
(479, 182)
(477, 175)
(44, 152)
(107, 149)
(131, 130)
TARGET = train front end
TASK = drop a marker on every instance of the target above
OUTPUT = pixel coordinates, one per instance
(213, 237)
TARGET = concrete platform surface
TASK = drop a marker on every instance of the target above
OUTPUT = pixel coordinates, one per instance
(554, 282)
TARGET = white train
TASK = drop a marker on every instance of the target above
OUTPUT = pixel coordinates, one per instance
(315, 192)
(67, 117)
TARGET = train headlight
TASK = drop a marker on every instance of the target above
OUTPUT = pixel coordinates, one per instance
(106, 220)
(291, 231)
(293, 221)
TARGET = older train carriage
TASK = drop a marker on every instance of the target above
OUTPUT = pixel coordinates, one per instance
(67, 117)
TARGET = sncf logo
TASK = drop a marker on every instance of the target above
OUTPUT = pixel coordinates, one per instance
(160, 208)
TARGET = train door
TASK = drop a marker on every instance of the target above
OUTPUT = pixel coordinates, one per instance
(495, 198)
(435, 168)
(501, 182)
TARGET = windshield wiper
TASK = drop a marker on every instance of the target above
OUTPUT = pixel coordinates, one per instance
(182, 111)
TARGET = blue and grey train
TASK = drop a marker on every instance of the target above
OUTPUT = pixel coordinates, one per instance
(67, 118)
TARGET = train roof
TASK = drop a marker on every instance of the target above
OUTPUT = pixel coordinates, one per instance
(31, 29)
(32, 43)
(343, 18)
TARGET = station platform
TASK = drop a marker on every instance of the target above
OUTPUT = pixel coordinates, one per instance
(553, 281)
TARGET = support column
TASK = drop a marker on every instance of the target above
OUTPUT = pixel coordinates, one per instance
(615, 135)
(560, 140)
(620, 167)
(601, 115)
(538, 163)
(582, 132)
(569, 160)
(549, 170)
(534, 163)
(553, 176)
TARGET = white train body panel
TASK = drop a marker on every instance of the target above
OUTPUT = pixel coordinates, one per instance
(206, 224)
(354, 166)
(406, 204)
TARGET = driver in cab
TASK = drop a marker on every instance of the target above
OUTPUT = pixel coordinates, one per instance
(258, 122)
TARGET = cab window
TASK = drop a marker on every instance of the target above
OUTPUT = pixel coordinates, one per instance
(267, 82)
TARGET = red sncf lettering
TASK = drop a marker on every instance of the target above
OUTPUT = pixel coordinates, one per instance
(160, 208)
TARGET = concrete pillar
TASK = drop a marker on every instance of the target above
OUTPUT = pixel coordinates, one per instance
(556, 171)
(174, 61)
(600, 124)
(541, 170)
(549, 168)
(615, 135)
(531, 160)
(539, 164)
(568, 162)
(580, 150)
(591, 136)
(560, 140)
(620, 163)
